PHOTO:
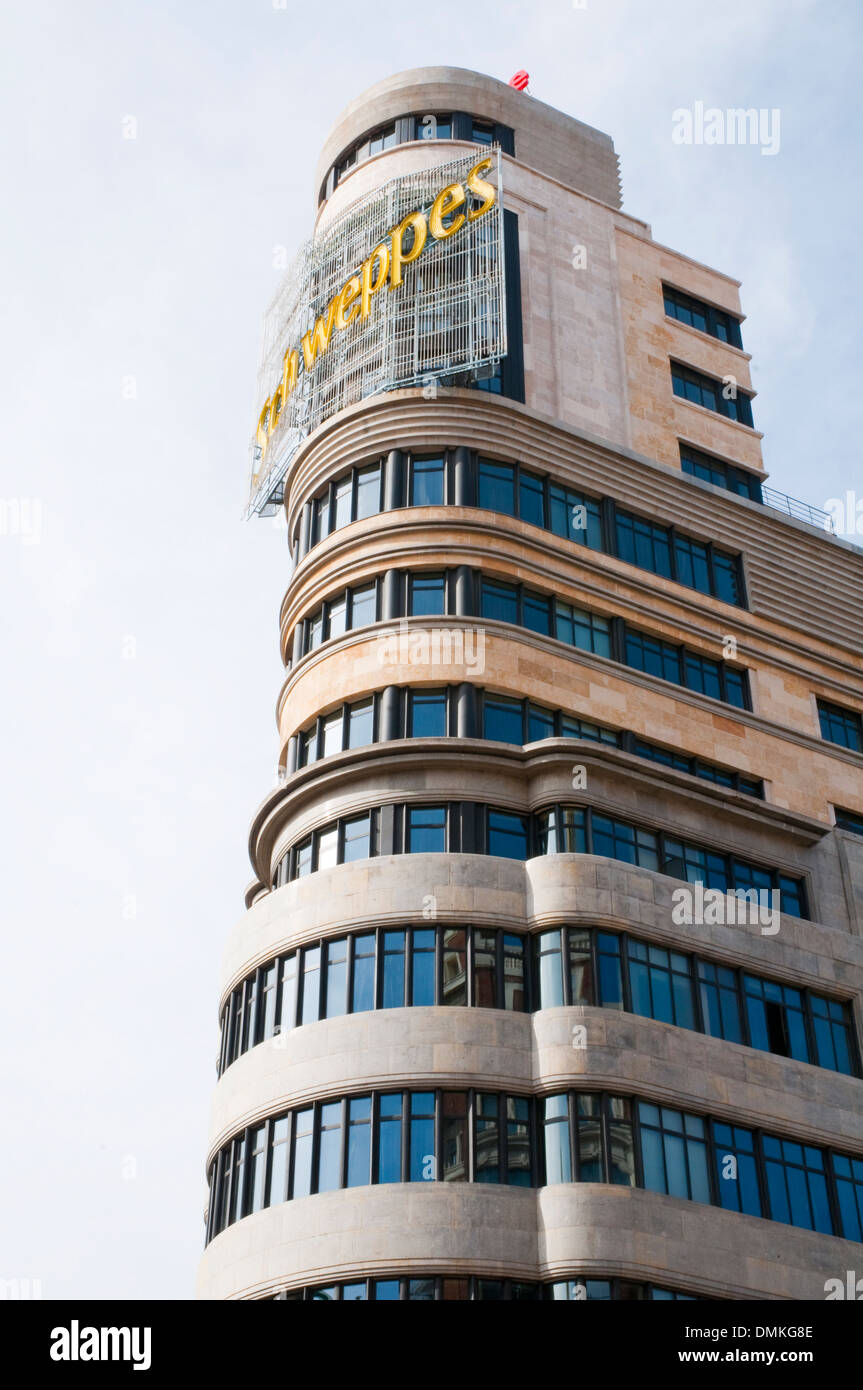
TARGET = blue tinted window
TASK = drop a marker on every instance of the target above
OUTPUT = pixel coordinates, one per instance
(499, 601)
(502, 719)
(427, 714)
(427, 595)
(507, 835)
(426, 829)
(497, 486)
(427, 482)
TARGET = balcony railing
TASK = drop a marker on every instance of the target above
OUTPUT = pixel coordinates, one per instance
(801, 511)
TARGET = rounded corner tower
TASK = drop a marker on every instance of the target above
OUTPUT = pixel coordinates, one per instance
(555, 913)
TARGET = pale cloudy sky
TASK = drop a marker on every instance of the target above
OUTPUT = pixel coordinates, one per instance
(140, 661)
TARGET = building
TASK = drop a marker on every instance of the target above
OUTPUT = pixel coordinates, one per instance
(549, 983)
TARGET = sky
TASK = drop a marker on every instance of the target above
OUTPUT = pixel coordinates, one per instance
(139, 610)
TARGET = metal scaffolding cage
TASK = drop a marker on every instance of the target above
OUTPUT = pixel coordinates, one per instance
(448, 316)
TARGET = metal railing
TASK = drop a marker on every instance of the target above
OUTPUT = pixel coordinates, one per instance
(801, 511)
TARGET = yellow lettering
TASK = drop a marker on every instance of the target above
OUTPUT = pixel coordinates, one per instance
(348, 294)
(399, 256)
(480, 188)
(276, 403)
(381, 254)
(261, 430)
(316, 342)
(290, 369)
(449, 198)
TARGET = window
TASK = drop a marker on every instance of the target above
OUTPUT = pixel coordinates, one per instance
(797, 1184)
(643, 543)
(683, 762)
(581, 629)
(574, 516)
(736, 1169)
(502, 719)
(849, 1190)
(426, 595)
(711, 393)
(368, 491)
(361, 723)
(660, 984)
(842, 726)
(426, 486)
(831, 1027)
(427, 714)
(719, 323)
(616, 839)
(562, 830)
(507, 835)
(719, 993)
(720, 473)
(357, 838)
(674, 1152)
(482, 133)
(364, 605)
(497, 489)
(426, 829)
(684, 667)
(849, 820)
(499, 601)
(775, 1017)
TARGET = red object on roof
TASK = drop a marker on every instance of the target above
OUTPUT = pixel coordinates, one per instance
(520, 80)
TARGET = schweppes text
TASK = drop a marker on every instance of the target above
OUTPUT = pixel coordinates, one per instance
(455, 206)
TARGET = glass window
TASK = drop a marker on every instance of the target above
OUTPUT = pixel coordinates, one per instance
(394, 970)
(303, 859)
(257, 1167)
(507, 835)
(502, 719)
(427, 482)
(610, 970)
(301, 1168)
(621, 1142)
(849, 1189)
(540, 723)
(558, 1161)
(332, 733)
(289, 993)
(455, 1139)
(776, 1018)
(641, 543)
(736, 1169)
(337, 978)
(279, 1165)
(338, 616)
(357, 838)
(311, 984)
(422, 966)
(427, 714)
(499, 602)
(363, 984)
(390, 1139)
(361, 723)
(330, 1147)
(454, 966)
(720, 1001)
(368, 491)
(832, 1029)
(328, 847)
(842, 726)
(660, 984)
(359, 1141)
(797, 1184)
(615, 839)
(536, 613)
(364, 606)
(517, 1114)
(514, 972)
(550, 970)
(693, 564)
(497, 487)
(582, 629)
(343, 492)
(588, 1144)
(422, 1162)
(530, 499)
(674, 1152)
(427, 595)
(484, 968)
(426, 829)
(487, 1139)
(580, 967)
(574, 516)
(657, 658)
